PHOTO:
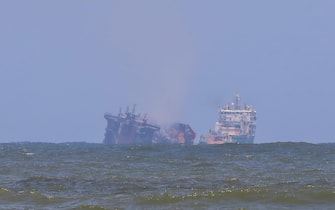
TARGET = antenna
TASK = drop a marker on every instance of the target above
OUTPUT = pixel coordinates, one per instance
(237, 100)
(134, 108)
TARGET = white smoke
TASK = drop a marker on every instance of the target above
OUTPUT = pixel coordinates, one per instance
(158, 55)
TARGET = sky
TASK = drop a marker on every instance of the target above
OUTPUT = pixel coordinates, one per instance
(63, 64)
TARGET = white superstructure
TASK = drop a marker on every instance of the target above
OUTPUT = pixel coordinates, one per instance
(236, 124)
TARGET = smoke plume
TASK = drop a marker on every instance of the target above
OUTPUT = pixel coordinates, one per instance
(157, 56)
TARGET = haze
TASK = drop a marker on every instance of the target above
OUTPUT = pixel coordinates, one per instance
(64, 64)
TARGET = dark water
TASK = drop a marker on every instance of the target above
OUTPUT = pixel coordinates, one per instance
(96, 176)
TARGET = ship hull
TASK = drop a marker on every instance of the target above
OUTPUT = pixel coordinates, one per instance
(222, 140)
(243, 139)
(129, 128)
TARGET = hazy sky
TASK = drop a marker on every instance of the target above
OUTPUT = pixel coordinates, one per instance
(63, 64)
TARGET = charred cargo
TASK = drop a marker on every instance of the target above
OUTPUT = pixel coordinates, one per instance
(177, 133)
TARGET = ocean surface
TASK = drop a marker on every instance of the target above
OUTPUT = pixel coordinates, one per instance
(96, 176)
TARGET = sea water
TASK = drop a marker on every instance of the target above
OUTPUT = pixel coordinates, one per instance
(231, 176)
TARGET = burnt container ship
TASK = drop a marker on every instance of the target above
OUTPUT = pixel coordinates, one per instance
(131, 128)
(236, 124)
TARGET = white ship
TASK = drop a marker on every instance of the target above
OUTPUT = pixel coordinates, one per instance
(236, 124)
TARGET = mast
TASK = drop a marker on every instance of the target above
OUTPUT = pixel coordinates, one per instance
(134, 107)
(237, 101)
